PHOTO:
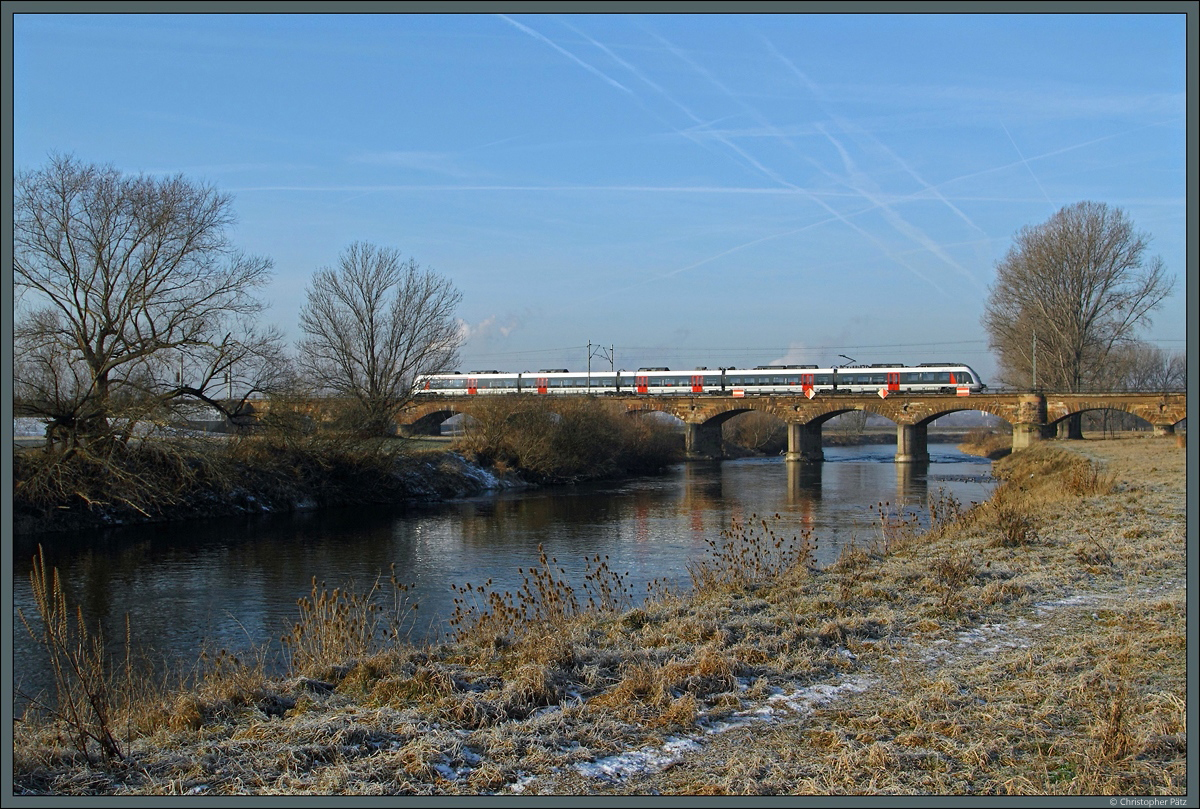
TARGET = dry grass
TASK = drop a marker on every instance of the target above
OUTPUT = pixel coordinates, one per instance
(987, 442)
(343, 625)
(971, 659)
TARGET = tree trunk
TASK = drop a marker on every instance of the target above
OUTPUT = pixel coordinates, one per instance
(1071, 427)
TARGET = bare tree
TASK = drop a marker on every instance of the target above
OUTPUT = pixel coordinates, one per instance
(1079, 285)
(1146, 367)
(756, 431)
(372, 325)
(131, 300)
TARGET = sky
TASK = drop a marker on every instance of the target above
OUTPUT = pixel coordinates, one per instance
(686, 189)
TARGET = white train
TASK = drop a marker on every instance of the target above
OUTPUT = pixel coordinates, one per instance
(809, 380)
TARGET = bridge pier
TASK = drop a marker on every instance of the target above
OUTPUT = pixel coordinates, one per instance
(702, 442)
(1026, 435)
(804, 442)
(1029, 427)
(912, 443)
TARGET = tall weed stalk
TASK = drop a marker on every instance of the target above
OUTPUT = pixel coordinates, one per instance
(86, 696)
(752, 552)
(343, 624)
(546, 596)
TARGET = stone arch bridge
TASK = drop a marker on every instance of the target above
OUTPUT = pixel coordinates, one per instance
(1033, 416)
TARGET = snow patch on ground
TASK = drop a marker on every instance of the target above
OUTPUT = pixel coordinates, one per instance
(483, 477)
(622, 765)
(780, 704)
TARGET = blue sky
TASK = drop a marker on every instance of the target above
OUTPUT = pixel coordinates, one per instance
(691, 189)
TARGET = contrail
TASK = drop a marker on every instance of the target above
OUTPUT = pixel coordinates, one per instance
(893, 217)
(567, 54)
(1044, 155)
(1026, 164)
(749, 159)
(641, 76)
(648, 189)
(774, 176)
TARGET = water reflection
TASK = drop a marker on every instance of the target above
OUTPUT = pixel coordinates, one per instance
(912, 482)
(804, 483)
(235, 583)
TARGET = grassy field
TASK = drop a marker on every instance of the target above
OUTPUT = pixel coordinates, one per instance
(1031, 645)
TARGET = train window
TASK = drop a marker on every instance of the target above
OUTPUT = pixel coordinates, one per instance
(964, 378)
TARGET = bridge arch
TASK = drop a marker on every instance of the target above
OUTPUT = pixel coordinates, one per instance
(1029, 414)
(427, 419)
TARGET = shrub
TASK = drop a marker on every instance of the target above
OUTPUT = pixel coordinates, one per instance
(1015, 526)
(952, 572)
(343, 625)
(546, 598)
(564, 440)
(752, 552)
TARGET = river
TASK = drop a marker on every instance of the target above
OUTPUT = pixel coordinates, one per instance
(234, 583)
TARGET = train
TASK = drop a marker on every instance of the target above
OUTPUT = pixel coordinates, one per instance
(809, 380)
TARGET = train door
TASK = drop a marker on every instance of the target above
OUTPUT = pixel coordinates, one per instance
(472, 385)
(893, 380)
(697, 384)
(641, 384)
(542, 383)
(806, 385)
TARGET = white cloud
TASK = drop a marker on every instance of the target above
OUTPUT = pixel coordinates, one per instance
(490, 329)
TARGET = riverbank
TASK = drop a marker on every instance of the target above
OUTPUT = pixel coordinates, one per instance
(197, 478)
(1031, 645)
(176, 475)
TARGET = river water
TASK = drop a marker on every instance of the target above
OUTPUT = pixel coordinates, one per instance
(234, 583)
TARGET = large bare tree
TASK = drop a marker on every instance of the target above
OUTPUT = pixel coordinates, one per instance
(374, 323)
(131, 299)
(1075, 289)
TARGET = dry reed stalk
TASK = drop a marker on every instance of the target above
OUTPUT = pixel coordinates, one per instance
(85, 705)
(343, 625)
